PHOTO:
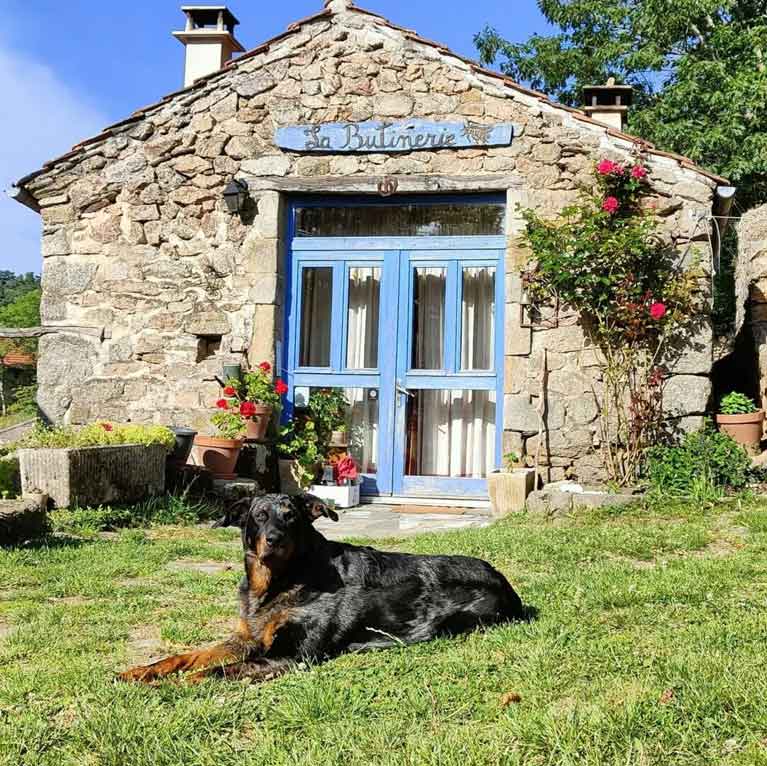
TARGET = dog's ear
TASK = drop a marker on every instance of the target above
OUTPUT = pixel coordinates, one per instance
(236, 514)
(314, 507)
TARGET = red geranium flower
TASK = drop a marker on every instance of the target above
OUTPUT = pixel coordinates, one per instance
(222, 404)
(638, 171)
(658, 310)
(281, 387)
(247, 409)
(605, 167)
(610, 205)
(107, 426)
(265, 366)
(229, 391)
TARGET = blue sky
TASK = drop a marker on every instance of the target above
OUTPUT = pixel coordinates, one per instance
(70, 67)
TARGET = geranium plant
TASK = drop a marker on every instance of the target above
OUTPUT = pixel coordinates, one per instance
(605, 259)
(736, 403)
(242, 398)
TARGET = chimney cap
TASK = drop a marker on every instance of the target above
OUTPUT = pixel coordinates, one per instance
(608, 93)
(207, 15)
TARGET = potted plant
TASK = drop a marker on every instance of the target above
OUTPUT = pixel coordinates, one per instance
(257, 397)
(299, 444)
(95, 464)
(219, 454)
(328, 408)
(510, 488)
(345, 492)
(741, 419)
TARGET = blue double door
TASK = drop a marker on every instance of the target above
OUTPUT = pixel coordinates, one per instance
(411, 329)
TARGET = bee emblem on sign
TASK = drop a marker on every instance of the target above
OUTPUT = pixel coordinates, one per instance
(479, 134)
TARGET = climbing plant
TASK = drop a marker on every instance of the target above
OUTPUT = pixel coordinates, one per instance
(605, 259)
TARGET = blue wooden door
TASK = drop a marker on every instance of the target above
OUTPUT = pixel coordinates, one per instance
(411, 328)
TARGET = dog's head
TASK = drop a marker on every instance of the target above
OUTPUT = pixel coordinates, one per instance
(276, 527)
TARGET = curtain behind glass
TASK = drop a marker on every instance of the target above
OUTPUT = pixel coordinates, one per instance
(478, 318)
(362, 422)
(451, 434)
(429, 318)
(316, 315)
(363, 317)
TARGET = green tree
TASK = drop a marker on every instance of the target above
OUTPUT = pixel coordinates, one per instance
(698, 67)
(13, 286)
(23, 311)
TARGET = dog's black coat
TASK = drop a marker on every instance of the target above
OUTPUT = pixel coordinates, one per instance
(346, 597)
(304, 597)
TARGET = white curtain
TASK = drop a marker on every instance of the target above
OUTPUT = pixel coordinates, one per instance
(362, 422)
(452, 433)
(478, 309)
(429, 318)
(364, 308)
(316, 315)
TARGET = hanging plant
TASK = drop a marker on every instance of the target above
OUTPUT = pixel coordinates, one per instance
(605, 258)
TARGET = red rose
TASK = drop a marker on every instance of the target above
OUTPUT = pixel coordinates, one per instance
(281, 387)
(658, 310)
(247, 409)
(610, 205)
(638, 171)
(222, 404)
(230, 391)
(605, 167)
(265, 366)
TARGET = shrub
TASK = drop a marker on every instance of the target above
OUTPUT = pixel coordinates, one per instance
(703, 465)
(97, 435)
(736, 403)
(10, 480)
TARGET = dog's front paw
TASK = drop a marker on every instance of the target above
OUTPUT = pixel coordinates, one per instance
(143, 674)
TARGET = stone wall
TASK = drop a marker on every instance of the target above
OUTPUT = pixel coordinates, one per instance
(137, 239)
(751, 288)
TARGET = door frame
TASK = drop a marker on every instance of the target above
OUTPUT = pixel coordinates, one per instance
(324, 251)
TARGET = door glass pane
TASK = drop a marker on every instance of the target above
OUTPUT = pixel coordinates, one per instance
(316, 314)
(428, 336)
(450, 433)
(362, 427)
(362, 422)
(478, 318)
(364, 304)
(403, 220)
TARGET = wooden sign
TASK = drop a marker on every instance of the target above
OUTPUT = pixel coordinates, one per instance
(410, 136)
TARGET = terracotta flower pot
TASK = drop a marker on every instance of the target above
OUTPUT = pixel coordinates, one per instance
(257, 426)
(219, 456)
(745, 429)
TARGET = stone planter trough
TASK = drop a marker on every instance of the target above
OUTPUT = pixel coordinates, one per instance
(91, 476)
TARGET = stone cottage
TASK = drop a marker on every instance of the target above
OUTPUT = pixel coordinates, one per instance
(343, 201)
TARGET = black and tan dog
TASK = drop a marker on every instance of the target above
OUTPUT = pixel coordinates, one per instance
(304, 597)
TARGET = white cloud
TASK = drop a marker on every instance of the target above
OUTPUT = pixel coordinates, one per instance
(40, 118)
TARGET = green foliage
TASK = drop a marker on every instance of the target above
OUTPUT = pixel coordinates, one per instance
(328, 408)
(736, 403)
(703, 465)
(23, 311)
(172, 508)
(10, 478)
(13, 286)
(230, 424)
(24, 400)
(97, 435)
(697, 68)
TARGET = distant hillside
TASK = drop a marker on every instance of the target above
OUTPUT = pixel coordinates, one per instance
(14, 286)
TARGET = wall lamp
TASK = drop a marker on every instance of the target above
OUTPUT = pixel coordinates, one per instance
(236, 195)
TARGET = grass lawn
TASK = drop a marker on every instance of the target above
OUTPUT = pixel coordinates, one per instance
(649, 648)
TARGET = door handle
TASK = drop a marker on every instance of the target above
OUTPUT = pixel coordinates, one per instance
(404, 391)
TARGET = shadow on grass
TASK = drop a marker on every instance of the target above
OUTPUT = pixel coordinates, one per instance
(49, 541)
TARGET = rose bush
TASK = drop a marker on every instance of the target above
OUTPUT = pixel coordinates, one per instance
(605, 259)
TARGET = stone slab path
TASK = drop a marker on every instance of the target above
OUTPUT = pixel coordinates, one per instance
(378, 522)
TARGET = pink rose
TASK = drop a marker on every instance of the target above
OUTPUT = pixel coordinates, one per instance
(638, 172)
(658, 310)
(610, 205)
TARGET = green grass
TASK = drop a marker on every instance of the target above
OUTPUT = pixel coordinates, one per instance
(648, 649)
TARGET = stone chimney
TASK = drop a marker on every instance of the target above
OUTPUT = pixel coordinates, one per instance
(208, 38)
(608, 103)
